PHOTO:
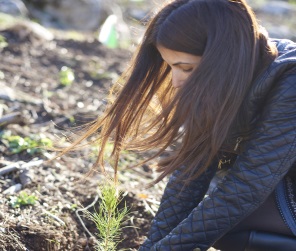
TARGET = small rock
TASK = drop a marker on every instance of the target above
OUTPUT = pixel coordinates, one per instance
(82, 242)
(26, 177)
(49, 187)
(13, 189)
(92, 240)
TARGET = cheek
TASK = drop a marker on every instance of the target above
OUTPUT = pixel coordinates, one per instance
(178, 78)
(178, 74)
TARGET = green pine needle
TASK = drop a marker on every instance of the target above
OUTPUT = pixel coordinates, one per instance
(108, 218)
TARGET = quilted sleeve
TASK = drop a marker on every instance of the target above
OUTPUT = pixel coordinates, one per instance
(267, 157)
(176, 203)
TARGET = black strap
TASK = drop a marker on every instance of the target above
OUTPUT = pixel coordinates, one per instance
(264, 241)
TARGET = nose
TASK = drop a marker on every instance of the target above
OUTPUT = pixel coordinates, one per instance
(177, 80)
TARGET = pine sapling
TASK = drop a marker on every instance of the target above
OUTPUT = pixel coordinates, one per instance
(109, 217)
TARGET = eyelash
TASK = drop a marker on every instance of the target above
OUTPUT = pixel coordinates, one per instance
(188, 70)
(184, 70)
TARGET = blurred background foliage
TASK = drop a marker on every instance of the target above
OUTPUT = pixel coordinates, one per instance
(120, 23)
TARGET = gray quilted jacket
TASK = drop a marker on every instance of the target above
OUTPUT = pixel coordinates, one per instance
(261, 152)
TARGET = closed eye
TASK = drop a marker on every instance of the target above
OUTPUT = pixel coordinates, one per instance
(188, 70)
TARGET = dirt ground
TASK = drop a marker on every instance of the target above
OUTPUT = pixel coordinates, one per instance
(34, 105)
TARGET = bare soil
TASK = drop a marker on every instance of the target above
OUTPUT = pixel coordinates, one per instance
(30, 91)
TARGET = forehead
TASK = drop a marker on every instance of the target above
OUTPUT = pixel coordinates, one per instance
(173, 57)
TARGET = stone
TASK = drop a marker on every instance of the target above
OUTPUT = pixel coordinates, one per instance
(13, 7)
(83, 15)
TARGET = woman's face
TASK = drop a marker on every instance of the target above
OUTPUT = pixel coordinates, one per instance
(181, 63)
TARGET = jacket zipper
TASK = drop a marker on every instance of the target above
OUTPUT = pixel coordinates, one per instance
(280, 210)
(221, 161)
(241, 137)
(238, 141)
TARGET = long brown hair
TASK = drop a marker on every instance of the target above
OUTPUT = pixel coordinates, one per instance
(148, 113)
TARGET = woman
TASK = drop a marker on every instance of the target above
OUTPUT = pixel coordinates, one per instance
(207, 80)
